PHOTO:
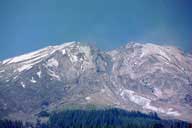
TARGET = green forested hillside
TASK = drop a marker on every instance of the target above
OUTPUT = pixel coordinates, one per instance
(105, 118)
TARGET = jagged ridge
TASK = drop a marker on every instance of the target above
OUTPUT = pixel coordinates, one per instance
(143, 77)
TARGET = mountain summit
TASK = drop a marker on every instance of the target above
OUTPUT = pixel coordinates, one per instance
(143, 77)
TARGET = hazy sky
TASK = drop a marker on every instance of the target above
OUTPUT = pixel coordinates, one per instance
(27, 25)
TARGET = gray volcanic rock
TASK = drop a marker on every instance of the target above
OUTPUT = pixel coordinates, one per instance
(157, 78)
(144, 77)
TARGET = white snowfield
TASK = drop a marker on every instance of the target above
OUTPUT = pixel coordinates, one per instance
(152, 48)
(87, 98)
(2, 71)
(23, 85)
(37, 55)
(145, 102)
(33, 80)
(52, 63)
(53, 74)
(39, 73)
(27, 61)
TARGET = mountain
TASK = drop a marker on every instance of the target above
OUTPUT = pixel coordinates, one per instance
(144, 77)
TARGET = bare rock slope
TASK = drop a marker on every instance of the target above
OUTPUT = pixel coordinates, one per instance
(144, 77)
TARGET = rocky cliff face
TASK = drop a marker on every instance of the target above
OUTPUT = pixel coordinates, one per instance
(143, 77)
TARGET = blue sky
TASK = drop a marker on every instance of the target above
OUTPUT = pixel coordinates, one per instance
(27, 25)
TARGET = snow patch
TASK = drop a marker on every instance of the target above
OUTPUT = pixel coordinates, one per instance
(53, 74)
(37, 55)
(24, 67)
(174, 113)
(142, 54)
(27, 65)
(145, 102)
(23, 85)
(149, 49)
(129, 92)
(30, 56)
(5, 61)
(52, 63)
(134, 97)
(63, 52)
(87, 98)
(102, 90)
(26, 61)
(33, 80)
(2, 71)
(73, 58)
(158, 92)
(39, 73)
(153, 108)
(86, 50)
(15, 77)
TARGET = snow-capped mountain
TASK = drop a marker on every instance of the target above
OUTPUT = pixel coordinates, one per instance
(144, 77)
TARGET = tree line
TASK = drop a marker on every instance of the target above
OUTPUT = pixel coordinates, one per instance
(105, 118)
